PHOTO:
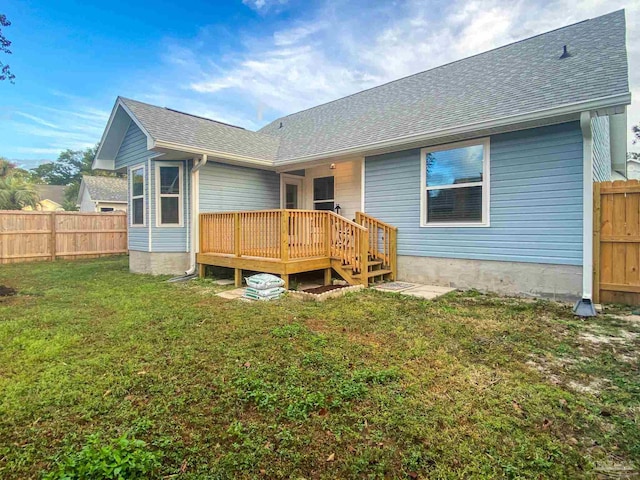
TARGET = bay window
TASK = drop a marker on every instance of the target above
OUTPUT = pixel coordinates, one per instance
(169, 184)
(137, 196)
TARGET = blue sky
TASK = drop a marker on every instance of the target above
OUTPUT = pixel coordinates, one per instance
(240, 62)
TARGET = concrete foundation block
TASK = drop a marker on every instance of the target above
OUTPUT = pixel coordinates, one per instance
(560, 282)
(159, 263)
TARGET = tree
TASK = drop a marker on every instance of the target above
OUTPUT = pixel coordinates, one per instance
(636, 138)
(68, 170)
(15, 194)
(6, 167)
(10, 169)
(5, 70)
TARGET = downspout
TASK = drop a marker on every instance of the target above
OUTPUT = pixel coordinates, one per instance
(195, 210)
(584, 307)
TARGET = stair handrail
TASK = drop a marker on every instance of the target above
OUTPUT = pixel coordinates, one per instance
(383, 239)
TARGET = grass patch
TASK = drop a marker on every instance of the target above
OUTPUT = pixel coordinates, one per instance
(97, 365)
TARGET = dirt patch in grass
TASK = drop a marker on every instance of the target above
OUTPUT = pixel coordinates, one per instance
(7, 291)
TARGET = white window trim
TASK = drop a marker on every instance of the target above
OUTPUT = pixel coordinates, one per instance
(291, 179)
(485, 184)
(313, 188)
(180, 196)
(142, 167)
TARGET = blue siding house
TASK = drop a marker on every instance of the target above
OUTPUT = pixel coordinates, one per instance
(484, 165)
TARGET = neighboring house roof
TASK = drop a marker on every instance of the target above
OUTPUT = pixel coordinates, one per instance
(166, 125)
(526, 81)
(53, 193)
(104, 189)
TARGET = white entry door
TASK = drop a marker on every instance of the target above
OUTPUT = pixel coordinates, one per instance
(291, 192)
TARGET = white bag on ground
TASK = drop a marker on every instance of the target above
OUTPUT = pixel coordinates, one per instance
(264, 281)
(269, 294)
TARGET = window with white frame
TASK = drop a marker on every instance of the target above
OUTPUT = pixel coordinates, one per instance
(455, 184)
(169, 194)
(137, 191)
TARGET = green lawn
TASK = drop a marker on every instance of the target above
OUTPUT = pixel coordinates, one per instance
(370, 385)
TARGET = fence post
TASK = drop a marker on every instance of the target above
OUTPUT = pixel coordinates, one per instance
(53, 242)
(596, 241)
(284, 235)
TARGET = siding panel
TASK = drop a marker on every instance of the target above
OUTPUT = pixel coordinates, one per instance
(228, 187)
(536, 201)
(133, 151)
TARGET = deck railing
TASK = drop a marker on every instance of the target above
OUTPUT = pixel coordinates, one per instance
(285, 235)
(382, 239)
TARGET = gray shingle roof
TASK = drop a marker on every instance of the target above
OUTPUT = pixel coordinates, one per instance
(55, 193)
(515, 79)
(177, 127)
(106, 189)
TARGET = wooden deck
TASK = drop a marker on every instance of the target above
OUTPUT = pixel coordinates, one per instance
(286, 242)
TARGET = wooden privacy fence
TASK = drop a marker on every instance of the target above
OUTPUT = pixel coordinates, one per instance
(32, 236)
(616, 242)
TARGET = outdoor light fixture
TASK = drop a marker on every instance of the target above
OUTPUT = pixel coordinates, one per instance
(332, 166)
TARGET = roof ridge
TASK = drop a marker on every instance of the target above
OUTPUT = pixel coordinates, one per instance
(439, 66)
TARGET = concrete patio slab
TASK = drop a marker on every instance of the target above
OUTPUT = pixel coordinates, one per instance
(428, 292)
(414, 289)
(396, 286)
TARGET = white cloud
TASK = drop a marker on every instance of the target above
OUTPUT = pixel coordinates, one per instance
(43, 130)
(264, 5)
(344, 49)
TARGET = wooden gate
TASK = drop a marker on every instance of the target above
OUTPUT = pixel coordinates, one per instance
(616, 242)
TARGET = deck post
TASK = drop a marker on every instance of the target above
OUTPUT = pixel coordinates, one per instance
(364, 257)
(327, 276)
(327, 234)
(201, 270)
(393, 253)
(284, 238)
(237, 277)
(236, 234)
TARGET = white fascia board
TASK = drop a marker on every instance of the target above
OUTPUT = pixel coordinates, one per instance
(108, 163)
(568, 109)
(96, 162)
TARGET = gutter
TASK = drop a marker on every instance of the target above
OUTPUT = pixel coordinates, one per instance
(195, 210)
(599, 106)
(213, 153)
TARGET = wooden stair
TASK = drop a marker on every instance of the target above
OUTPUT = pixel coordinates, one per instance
(376, 272)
